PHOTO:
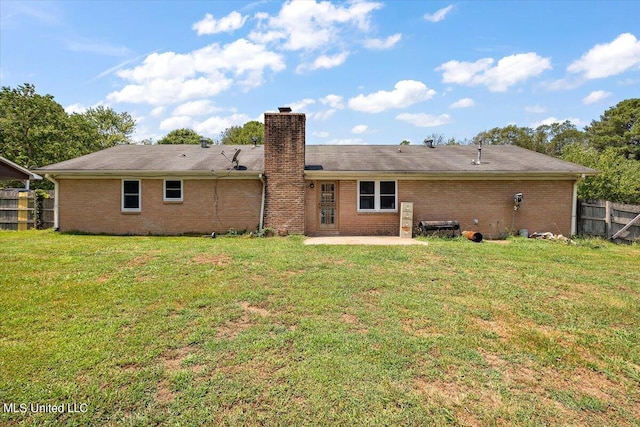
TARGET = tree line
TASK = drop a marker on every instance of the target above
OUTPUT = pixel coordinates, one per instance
(36, 131)
(610, 144)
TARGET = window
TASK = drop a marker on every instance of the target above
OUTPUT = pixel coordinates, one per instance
(172, 190)
(131, 195)
(377, 196)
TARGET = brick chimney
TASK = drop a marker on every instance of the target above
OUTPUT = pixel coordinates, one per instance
(284, 151)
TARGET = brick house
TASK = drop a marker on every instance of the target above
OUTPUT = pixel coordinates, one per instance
(313, 190)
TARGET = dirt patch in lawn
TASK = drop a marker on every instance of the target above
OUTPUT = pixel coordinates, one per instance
(219, 260)
(174, 360)
(142, 260)
(524, 377)
(232, 328)
(253, 309)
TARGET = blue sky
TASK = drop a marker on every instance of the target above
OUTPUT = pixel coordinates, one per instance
(363, 71)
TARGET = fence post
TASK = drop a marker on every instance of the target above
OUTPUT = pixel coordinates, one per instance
(607, 219)
(23, 210)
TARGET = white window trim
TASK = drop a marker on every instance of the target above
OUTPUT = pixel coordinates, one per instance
(172, 199)
(139, 208)
(376, 196)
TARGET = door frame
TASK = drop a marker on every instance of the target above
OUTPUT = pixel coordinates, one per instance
(324, 227)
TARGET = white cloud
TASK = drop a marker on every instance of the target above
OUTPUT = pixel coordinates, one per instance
(195, 108)
(166, 78)
(323, 115)
(161, 91)
(595, 96)
(322, 134)
(177, 122)
(347, 141)
(405, 93)
(158, 111)
(463, 103)
(551, 120)
(333, 101)
(509, 71)
(424, 120)
(211, 25)
(536, 109)
(301, 106)
(439, 15)
(380, 44)
(609, 59)
(359, 129)
(78, 108)
(75, 108)
(310, 25)
(324, 61)
(96, 47)
(565, 83)
(215, 125)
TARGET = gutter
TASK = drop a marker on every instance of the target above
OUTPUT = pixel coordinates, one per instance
(56, 202)
(444, 175)
(204, 174)
(264, 190)
(574, 209)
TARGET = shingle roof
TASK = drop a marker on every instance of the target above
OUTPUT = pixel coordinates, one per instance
(10, 170)
(417, 159)
(167, 158)
(440, 159)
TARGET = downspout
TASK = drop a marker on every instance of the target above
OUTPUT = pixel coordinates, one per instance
(264, 190)
(56, 202)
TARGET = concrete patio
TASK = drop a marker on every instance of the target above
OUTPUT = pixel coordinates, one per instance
(363, 240)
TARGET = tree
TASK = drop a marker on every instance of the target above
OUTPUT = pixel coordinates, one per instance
(36, 131)
(113, 128)
(548, 139)
(242, 135)
(618, 180)
(181, 136)
(618, 127)
(552, 139)
(405, 142)
(511, 134)
(31, 125)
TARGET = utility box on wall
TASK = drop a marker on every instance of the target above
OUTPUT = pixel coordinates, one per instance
(406, 219)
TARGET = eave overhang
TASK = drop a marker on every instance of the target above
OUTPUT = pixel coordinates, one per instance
(445, 175)
(159, 174)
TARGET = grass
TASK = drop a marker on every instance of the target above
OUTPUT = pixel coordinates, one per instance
(238, 331)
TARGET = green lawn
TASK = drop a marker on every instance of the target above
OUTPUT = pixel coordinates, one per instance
(239, 331)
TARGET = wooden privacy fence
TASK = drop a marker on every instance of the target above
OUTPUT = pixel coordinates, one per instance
(17, 210)
(609, 220)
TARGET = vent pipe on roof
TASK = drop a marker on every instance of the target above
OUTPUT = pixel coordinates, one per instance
(204, 142)
(479, 160)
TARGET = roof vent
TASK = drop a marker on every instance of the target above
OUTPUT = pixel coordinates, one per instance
(204, 142)
(479, 160)
(284, 109)
(429, 143)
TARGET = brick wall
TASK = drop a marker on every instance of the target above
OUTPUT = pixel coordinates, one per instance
(94, 206)
(284, 156)
(546, 207)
